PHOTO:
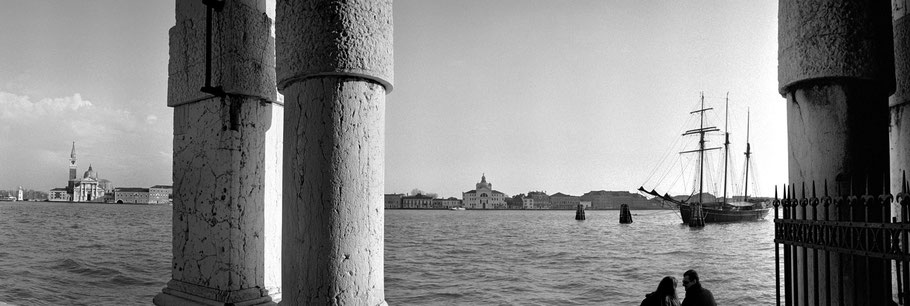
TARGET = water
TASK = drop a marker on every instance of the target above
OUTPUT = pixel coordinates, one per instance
(83, 254)
(96, 254)
(548, 258)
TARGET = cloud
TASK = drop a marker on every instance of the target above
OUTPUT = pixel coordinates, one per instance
(65, 117)
(37, 136)
(14, 107)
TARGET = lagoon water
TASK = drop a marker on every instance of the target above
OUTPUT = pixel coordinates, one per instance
(97, 254)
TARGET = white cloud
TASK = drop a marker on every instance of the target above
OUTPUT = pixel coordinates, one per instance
(37, 136)
(14, 107)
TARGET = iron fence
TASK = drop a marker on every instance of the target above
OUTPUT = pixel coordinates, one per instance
(856, 227)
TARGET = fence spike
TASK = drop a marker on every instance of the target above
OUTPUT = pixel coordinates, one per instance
(804, 190)
(813, 189)
(904, 180)
(775, 192)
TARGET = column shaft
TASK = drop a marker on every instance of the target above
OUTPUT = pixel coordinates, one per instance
(836, 71)
(334, 69)
(334, 187)
(900, 101)
(226, 157)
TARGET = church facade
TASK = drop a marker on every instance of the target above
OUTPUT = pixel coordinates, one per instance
(484, 197)
(89, 188)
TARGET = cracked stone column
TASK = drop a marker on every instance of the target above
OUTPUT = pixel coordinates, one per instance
(836, 70)
(227, 158)
(900, 101)
(334, 69)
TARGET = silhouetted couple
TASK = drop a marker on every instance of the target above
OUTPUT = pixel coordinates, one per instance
(665, 295)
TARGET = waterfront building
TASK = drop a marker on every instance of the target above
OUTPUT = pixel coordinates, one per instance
(59, 195)
(446, 203)
(87, 189)
(417, 201)
(160, 194)
(539, 199)
(484, 197)
(393, 200)
(515, 202)
(602, 199)
(585, 204)
(527, 203)
(564, 201)
(19, 195)
(131, 195)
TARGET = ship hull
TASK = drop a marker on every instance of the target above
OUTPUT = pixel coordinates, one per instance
(717, 215)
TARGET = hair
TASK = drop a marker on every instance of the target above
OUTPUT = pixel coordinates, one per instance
(692, 275)
(667, 287)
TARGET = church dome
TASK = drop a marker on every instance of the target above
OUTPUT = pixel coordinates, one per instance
(483, 183)
(89, 173)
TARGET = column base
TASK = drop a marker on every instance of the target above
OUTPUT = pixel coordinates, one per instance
(178, 293)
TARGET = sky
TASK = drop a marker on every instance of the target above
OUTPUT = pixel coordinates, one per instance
(560, 96)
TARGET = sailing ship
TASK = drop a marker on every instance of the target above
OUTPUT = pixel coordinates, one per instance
(694, 209)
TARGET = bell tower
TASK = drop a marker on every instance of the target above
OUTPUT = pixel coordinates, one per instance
(72, 178)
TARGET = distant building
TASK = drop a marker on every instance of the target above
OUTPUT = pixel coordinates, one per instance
(158, 194)
(417, 201)
(161, 194)
(603, 199)
(538, 200)
(585, 204)
(106, 185)
(19, 195)
(563, 201)
(484, 197)
(393, 200)
(706, 198)
(446, 203)
(528, 203)
(87, 189)
(131, 195)
(59, 195)
(515, 202)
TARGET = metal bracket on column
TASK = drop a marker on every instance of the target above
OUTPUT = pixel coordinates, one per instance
(212, 5)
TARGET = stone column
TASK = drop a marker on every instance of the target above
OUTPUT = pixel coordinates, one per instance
(836, 72)
(334, 69)
(900, 101)
(226, 158)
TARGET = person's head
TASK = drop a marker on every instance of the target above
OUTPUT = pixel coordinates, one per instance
(667, 287)
(690, 278)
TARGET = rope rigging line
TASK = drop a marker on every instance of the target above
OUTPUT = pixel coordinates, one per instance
(667, 153)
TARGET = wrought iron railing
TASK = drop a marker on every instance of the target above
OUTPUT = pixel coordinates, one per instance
(810, 226)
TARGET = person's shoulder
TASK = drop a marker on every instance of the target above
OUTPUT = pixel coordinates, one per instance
(648, 298)
(708, 296)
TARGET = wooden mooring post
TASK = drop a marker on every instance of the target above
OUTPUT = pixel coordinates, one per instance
(580, 212)
(625, 216)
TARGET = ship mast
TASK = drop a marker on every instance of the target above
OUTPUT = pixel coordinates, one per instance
(726, 144)
(748, 153)
(697, 218)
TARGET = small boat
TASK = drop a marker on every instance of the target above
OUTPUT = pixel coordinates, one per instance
(456, 208)
(695, 210)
